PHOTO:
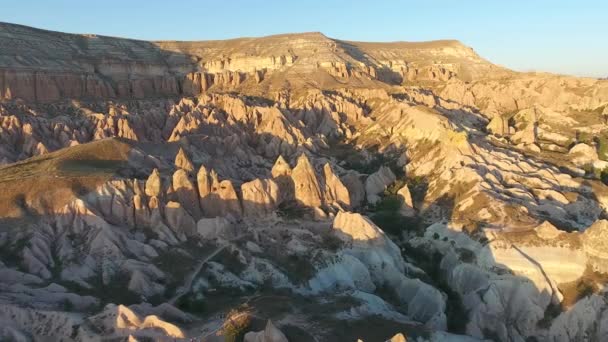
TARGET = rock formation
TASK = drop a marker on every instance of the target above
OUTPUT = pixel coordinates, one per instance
(260, 197)
(377, 182)
(306, 187)
(269, 334)
(407, 206)
(478, 194)
(182, 161)
(335, 191)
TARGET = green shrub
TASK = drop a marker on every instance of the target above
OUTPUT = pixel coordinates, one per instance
(395, 187)
(390, 203)
(191, 303)
(331, 242)
(291, 211)
(604, 176)
(583, 137)
(602, 147)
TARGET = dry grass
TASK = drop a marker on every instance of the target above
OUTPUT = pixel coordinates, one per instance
(41, 184)
(587, 285)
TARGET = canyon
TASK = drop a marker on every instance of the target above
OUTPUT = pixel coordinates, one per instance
(296, 188)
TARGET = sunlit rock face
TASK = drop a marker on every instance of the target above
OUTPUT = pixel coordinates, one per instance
(295, 187)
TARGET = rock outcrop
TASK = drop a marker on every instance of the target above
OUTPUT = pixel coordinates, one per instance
(218, 198)
(260, 197)
(335, 191)
(269, 334)
(306, 187)
(407, 206)
(377, 182)
(500, 223)
(186, 194)
(182, 161)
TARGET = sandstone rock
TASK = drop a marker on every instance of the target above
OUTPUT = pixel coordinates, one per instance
(213, 228)
(583, 154)
(595, 244)
(355, 227)
(281, 173)
(307, 191)
(178, 219)
(123, 319)
(587, 320)
(153, 184)
(260, 197)
(281, 168)
(499, 126)
(186, 193)
(397, 338)
(217, 198)
(377, 182)
(407, 207)
(373, 248)
(183, 161)
(269, 334)
(203, 181)
(547, 231)
(356, 189)
(335, 191)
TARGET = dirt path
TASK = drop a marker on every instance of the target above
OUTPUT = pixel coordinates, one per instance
(187, 286)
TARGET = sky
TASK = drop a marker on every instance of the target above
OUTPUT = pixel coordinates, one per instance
(567, 37)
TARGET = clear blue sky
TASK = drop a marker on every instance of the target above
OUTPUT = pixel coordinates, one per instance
(560, 36)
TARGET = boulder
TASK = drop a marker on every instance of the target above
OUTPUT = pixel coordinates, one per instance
(499, 126)
(595, 244)
(582, 154)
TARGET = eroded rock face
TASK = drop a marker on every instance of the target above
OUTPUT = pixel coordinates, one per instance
(260, 197)
(373, 248)
(377, 182)
(500, 162)
(213, 228)
(186, 193)
(153, 184)
(218, 198)
(407, 206)
(306, 186)
(583, 154)
(595, 244)
(182, 161)
(335, 191)
(179, 220)
(281, 173)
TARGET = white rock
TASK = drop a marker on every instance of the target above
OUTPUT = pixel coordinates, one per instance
(377, 182)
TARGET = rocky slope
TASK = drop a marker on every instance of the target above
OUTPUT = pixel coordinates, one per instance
(296, 187)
